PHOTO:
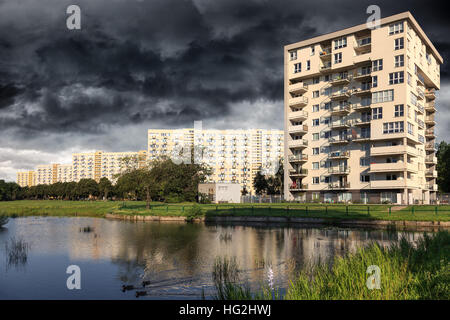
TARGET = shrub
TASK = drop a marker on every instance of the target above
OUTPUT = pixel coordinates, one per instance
(194, 212)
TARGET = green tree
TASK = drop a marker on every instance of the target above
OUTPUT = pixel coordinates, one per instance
(260, 183)
(443, 166)
(104, 187)
(86, 188)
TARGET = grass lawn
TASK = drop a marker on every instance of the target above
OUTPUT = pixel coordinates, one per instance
(336, 211)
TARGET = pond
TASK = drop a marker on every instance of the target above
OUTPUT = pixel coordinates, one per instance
(177, 258)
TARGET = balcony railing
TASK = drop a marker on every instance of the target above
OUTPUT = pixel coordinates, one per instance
(344, 139)
(339, 154)
(340, 124)
(295, 186)
(341, 108)
(363, 120)
(431, 173)
(325, 66)
(301, 172)
(302, 128)
(430, 146)
(298, 115)
(420, 108)
(298, 157)
(298, 87)
(430, 94)
(429, 132)
(298, 101)
(344, 93)
(339, 170)
(431, 159)
(339, 185)
(298, 143)
(429, 118)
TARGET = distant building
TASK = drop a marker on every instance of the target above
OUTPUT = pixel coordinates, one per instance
(235, 156)
(221, 192)
(26, 178)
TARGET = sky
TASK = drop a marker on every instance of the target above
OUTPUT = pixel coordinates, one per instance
(140, 64)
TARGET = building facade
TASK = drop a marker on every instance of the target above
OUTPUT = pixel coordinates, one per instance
(26, 178)
(360, 115)
(99, 164)
(234, 156)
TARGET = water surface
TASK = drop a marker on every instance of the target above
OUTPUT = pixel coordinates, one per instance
(177, 258)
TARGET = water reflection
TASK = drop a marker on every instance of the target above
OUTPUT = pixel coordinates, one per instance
(176, 258)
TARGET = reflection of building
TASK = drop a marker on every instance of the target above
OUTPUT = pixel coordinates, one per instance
(360, 114)
(221, 192)
(234, 155)
(26, 178)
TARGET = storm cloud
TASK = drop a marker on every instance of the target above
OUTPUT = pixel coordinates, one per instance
(145, 64)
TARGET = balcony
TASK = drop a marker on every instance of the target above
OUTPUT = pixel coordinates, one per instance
(362, 91)
(339, 170)
(341, 94)
(298, 88)
(326, 66)
(431, 159)
(302, 128)
(325, 54)
(298, 187)
(340, 124)
(363, 45)
(431, 174)
(340, 80)
(393, 167)
(362, 75)
(430, 107)
(339, 185)
(298, 115)
(393, 150)
(430, 120)
(363, 121)
(420, 108)
(299, 143)
(339, 140)
(420, 94)
(430, 146)
(298, 102)
(420, 124)
(339, 155)
(388, 184)
(429, 133)
(432, 187)
(430, 94)
(298, 158)
(341, 109)
(360, 107)
(298, 173)
(361, 138)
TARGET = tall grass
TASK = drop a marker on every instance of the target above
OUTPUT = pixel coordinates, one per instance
(3, 220)
(408, 271)
(16, 251)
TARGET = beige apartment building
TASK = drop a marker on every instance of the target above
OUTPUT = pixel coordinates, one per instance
(26, 178)
(235, 156)
(360, 115)
(99, 164)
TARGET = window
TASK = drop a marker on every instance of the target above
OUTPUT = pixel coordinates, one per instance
(396, 28)
(399, 110)
(315, 136)
(315, 150)
(398, 44)
(374, 81)
(377, 113)
(326, 92)
(315, 196)
(365, 147)
(315, 166)
(293, 55)
(315, 122)
(413, 99)
(377, 65)
(338, 57)
(313, 50)
(396, 77)
(316, 94)
(391, 177)
(340, 43)
(327, 106)
(297, 67)
(409, 78)
(365, 178)
(383, 96)
(410, 128)
(326, 78)
(308, 65)
(316, 80)
(399, 61)
(393, 127)
(315, 108)
(315, 180)
(364, 161)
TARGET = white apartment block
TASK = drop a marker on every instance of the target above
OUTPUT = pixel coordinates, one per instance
(64, 173)
(234, 156)
(360, 115)
(26, 178)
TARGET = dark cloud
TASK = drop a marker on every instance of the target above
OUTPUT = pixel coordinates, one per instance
(159, 63)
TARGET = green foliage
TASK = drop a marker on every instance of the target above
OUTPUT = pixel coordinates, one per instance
(9, 191)
(3, 220)
(194, 212)
(443, 167)
(408, 271)
(270, 185)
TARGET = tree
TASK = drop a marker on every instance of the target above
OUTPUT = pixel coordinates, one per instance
(86, 188)
(260, 183)
(104, 188)
(443, 167)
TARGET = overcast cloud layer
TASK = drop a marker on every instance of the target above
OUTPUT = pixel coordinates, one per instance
(160, 64)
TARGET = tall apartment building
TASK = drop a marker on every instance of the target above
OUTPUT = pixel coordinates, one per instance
(64, 173)
(360, 114)
(233, 155)
(47, 174)
(26, 178)
(99, 164)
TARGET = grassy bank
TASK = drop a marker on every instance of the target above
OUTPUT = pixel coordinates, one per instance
(407, 272)
(333, 211)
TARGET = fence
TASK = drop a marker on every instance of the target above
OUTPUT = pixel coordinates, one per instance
(262, 199)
